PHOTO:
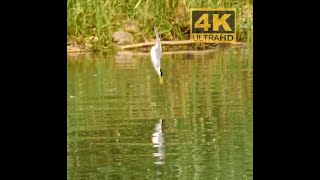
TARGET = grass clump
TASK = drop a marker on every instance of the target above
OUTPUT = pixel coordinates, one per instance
(92, 22)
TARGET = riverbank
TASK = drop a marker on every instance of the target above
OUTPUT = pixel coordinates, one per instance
(98, 25)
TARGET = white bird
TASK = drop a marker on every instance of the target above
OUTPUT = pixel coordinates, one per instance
(156, 53)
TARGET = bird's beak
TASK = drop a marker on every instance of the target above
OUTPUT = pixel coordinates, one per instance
(161, 80)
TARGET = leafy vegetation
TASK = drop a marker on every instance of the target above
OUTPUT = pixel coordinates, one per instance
(94, 22)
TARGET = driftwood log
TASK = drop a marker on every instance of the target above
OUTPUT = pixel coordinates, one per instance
(168, 43)
(163, 43)
(148, 44)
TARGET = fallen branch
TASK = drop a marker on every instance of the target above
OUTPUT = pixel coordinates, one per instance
(195, 52)
(164, 43)
(71, 49)
(167, 43)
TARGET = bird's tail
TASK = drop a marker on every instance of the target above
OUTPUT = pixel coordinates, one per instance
(157, 35)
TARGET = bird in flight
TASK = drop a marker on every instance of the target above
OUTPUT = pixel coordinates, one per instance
(156, 53)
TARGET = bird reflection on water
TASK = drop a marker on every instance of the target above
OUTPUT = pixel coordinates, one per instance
(158, 142)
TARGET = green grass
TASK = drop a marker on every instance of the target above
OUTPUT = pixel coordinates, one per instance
(100, 19)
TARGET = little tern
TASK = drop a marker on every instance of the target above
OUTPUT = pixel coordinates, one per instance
(156, 53)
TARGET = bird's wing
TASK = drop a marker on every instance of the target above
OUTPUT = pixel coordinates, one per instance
(154, 58)
(158, 53)
(158, 48)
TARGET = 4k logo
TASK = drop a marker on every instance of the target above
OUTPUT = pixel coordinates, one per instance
(213, 25)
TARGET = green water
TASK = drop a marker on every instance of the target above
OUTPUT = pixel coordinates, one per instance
(122, 124)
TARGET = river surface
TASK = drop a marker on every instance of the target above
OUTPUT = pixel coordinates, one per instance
(122, 124)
